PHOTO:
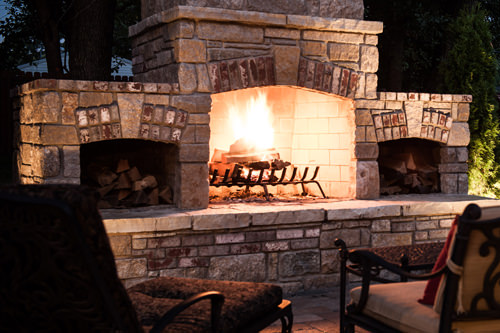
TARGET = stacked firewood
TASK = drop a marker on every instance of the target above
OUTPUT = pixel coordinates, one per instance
(401, 174)
(126, 187)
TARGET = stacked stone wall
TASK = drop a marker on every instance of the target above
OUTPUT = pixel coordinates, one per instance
(293, 247)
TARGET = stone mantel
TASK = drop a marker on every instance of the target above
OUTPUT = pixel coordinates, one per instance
(256, 18)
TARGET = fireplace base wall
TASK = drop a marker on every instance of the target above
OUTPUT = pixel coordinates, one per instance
(289, 245)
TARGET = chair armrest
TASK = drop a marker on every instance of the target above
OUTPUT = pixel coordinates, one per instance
(368, 265)
(216, 301)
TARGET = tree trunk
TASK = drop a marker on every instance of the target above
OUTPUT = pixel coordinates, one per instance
(48, 25)
(90, 24)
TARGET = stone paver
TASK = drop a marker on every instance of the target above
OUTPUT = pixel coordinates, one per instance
(314, 313)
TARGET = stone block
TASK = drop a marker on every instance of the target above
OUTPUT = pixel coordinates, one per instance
(459, 134)
(414, 111)
(449, 183)
(121, 245)
(313, 48)
(363, 117)
(157, 99)
(69, 105)
(190, 50)
(58, 135)
(453, 167)
(276, 246)
(282, 33)
(299, 263)
(223, 221)
(330, 261)
(131, 268)
(343, 52)
(247, 267)
(463, 183)
(367, 180)
(392, 239)
(30, 133)
(245, 248)
(95, 98)
(230, 32)
(230, 238)
(369, 59)
(381, 226)
(192, 175)
(46, 107)
(200, 103)
(194, 153)
(194, 262)
(180, 29)
(463, 111)
(336, 37)
(289, 233)
(187, 78)
(203, 79)
(46, 162)
(130, 109)
(350, 236)
(366, 151)
(302, 244)
(71, 158)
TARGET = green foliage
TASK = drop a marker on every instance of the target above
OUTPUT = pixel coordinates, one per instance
(22, 42)
(469, 68)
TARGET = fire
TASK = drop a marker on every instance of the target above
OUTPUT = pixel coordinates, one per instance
(252, 123)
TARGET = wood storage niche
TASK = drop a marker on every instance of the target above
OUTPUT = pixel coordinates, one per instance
(130, 172)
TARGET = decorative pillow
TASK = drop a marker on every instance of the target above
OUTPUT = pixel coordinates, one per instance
(433, 284)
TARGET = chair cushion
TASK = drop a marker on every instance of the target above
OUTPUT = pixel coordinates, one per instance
(244, 301)
(432, 285)
(395, 305)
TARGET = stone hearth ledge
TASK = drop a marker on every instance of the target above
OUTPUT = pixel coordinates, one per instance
(233, 216)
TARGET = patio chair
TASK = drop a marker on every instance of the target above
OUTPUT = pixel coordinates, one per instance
(468, 298)
(59, 275)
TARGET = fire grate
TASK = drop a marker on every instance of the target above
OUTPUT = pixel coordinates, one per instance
(249, 181)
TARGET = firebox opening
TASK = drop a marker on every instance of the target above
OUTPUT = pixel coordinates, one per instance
(130, 172)
(409, 166)
(282, 126)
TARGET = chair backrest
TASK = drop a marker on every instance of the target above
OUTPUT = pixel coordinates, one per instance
(57, 269)
(476, 249)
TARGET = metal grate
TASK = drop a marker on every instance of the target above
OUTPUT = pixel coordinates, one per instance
(273, 180)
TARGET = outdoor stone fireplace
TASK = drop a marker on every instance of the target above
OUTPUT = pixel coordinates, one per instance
(319, 74)
(316, 63)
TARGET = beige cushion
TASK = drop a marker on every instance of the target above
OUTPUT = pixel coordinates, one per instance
(396, 305)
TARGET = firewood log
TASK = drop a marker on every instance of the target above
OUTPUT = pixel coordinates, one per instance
(106, 177)
(134, 174)
(153, 198)
(146, 182)
(124, 182)
(166, 195)
(122, 166)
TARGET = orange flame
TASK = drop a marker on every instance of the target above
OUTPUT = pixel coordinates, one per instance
(253, 122)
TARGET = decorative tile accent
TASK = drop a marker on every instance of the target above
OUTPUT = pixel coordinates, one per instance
(390, 125)
(98, 123)
(436, 125)
(241, 73)
(162, 123)
(327, 77)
